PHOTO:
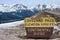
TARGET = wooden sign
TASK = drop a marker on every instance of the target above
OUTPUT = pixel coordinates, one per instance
(37, 28)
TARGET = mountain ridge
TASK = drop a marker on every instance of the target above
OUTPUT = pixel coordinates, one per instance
(14, 7)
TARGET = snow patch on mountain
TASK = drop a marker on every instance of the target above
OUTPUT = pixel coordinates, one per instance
(11, 24)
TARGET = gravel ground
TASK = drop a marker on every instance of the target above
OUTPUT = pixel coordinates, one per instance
(17, 33)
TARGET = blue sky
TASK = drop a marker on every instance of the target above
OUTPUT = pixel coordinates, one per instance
(30, 2)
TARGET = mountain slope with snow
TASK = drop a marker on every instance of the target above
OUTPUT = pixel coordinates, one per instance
(18, 12)
(11, 24)
(14, 7)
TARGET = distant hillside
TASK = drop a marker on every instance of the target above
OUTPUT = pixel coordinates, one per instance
(55, 14)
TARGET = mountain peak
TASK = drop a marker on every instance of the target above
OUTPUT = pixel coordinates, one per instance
(19, 6)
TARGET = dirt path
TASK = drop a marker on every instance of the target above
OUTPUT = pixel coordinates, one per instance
(16, 34)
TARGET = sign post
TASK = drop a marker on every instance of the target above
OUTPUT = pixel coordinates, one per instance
(39, 28)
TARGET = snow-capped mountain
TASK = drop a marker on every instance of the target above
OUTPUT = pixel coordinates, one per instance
(14, 12)
(12, 7)
(36, 7)
(45, 6)
(9, 13)
(19, 6)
